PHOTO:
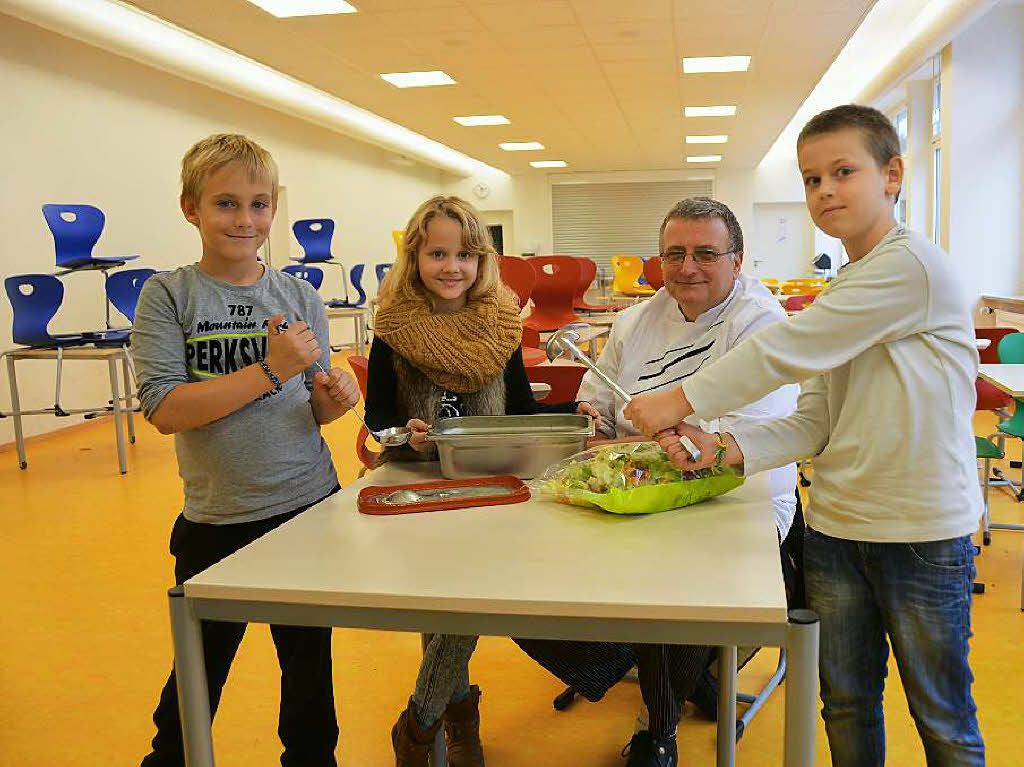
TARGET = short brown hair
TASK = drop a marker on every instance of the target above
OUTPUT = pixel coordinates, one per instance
(706, 209)
(403, 281)
(216, 151)
(879, 135)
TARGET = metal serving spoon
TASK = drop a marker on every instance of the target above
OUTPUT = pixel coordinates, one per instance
(407, 495)
(395, 436)
(563, 341)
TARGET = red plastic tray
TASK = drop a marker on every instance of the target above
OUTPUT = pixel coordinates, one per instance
(519, 492)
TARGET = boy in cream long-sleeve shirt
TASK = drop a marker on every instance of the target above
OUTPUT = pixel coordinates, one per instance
(888, 361)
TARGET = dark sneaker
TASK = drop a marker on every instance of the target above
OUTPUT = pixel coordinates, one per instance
(644, 750)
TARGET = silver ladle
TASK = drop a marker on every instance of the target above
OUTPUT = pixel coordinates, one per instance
(563, 342)
(394, 436)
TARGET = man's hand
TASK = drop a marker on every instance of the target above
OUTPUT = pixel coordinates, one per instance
(290, 352)
(418, 438)
(706, 442)
(585, 408)
(652, 413)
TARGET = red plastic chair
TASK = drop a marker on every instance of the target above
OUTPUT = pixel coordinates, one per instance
(652, 272)
(588, 271)
(517, 273)
(360, 367)
(564, 381)
(533, 353)
(989, 397)
(554, 292)
(798, 303)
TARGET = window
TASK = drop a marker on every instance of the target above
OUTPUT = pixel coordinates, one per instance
(937, 194)
(937, 108)
(899, 122)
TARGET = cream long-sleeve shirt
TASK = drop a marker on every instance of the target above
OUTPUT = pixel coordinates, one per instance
(887, 413)
(652, 347)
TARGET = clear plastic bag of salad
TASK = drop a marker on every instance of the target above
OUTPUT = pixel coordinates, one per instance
(631, 478)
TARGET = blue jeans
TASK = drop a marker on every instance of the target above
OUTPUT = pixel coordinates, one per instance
(919, 596)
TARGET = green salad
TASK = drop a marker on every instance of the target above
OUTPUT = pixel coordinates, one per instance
(633, 478)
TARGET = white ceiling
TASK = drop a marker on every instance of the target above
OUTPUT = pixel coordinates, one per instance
(598, 82)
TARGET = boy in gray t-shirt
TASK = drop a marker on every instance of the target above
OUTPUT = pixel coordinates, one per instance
(245, 407)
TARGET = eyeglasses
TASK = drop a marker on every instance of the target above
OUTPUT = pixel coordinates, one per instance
(701, 256)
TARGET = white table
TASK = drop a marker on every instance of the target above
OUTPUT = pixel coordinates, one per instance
(540, 569)
(982, 343)
(1006, 378)
(358, 315)
(121, 406)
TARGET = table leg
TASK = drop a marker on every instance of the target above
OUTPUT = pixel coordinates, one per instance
(726, 707)
(129, 397)
(190, 673)
(801, 688)
(19, 435)
(115, 398)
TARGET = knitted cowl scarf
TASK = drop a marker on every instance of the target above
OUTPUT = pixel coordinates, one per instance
(459, 351)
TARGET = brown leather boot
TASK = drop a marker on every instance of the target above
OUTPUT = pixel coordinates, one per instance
(411, 742)
(462, 731)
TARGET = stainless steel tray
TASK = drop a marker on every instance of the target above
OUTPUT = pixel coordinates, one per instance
(523, 445)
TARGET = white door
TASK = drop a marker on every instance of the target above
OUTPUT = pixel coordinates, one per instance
(783, 244)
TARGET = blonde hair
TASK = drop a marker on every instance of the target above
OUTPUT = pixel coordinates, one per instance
(216, 151)
(403, 281)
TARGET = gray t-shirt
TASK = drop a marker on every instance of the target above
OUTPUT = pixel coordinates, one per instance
(267, 457)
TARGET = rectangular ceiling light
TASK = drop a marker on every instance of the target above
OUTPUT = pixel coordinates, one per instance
(549, 164)
(699, 64)
(474, 120)
(417, 79)
(722, 111)
(286, 8)
(719, 139)
(521, 146)
(704, 158)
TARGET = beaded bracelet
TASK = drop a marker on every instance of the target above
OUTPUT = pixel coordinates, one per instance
(270, 374)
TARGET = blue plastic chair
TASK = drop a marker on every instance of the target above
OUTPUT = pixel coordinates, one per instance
(123, 289)
(76, 229)
(381, 270)
(314, 235)
(35, 299)
(314, 275)
(357, 282)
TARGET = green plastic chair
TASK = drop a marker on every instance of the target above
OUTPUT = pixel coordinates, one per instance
(1011, 352)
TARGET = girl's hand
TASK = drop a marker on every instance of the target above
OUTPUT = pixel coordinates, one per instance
(339, 387)
(585, 408)
(655, 412)
(418, 438)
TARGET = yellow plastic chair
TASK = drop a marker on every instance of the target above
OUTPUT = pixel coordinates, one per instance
(771, 283)
(397, 235)
(628, 271)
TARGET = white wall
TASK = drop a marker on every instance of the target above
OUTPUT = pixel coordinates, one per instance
(985, 152)
(81, 125)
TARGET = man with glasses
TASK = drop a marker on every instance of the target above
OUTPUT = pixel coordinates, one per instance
(705, 308)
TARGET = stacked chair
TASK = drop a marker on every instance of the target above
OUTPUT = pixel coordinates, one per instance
(314, 236)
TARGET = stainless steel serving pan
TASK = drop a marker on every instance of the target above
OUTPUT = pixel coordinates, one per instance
(523, 445)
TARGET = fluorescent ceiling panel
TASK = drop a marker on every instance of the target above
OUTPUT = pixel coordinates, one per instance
(287, 8)
(719, 139)
(417, 79)
(704, 158)
(549, 163)
(699, 64)
(722, 111)
(472, 121)
(521, 146)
